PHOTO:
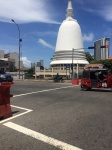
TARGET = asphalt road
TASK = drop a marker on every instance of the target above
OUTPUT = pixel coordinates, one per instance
(53, 116)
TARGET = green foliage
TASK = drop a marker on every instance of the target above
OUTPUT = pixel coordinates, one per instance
(29, 74)
(15, 69)
(89, 57)
(31, 70)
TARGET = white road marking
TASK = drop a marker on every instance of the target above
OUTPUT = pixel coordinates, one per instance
(41, 137)
(27, 111)
(21, 108)
(42, 91)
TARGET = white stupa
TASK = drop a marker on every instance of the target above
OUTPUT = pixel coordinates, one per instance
(69, 38)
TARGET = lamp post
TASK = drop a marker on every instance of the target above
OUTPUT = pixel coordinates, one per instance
(20, 40)
(77, 61)
(72, 64)
(90, 47)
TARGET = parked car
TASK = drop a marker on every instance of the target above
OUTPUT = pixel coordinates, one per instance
(4, 77)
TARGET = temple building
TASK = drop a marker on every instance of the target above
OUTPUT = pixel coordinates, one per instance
(69, 49)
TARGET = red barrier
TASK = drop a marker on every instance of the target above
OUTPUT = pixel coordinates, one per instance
(5, 108)
(75, 81)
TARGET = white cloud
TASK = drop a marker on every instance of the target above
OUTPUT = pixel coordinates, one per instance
(106, 12)
(102, 8)
(88, 37)
(25, 11)
(26, 62)
(44, 43)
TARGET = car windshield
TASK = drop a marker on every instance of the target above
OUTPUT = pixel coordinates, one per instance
(2, 72)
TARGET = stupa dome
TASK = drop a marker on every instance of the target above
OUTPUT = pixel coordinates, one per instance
(69, 36)
(69, 43)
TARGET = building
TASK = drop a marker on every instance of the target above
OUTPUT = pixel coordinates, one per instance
(40, 64)
(14, 55)
(94, 66)
(11, 59)
(7, 64)
(32, 65)
(69, 49)
(101, 53)
(1, 53)
(110, 58)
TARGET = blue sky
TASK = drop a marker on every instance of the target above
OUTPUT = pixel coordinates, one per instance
(39, 21)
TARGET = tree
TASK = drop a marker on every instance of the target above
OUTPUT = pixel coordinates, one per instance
(89, 57)
(31, 70)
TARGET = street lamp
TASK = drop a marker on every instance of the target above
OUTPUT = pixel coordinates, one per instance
(91, 47)
(77, 61)
(72, 64)
(20, 40)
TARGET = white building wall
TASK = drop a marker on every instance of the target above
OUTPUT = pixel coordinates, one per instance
(15, 56)
(1, 54)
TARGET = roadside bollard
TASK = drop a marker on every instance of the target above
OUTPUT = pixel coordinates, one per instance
(5, 108)
(75, 81)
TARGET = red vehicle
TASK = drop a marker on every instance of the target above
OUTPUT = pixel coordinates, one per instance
(96, 78)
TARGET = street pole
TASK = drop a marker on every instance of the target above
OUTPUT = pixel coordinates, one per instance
(77, 70)
(20, 40)
(91, 47)
(72, 64)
